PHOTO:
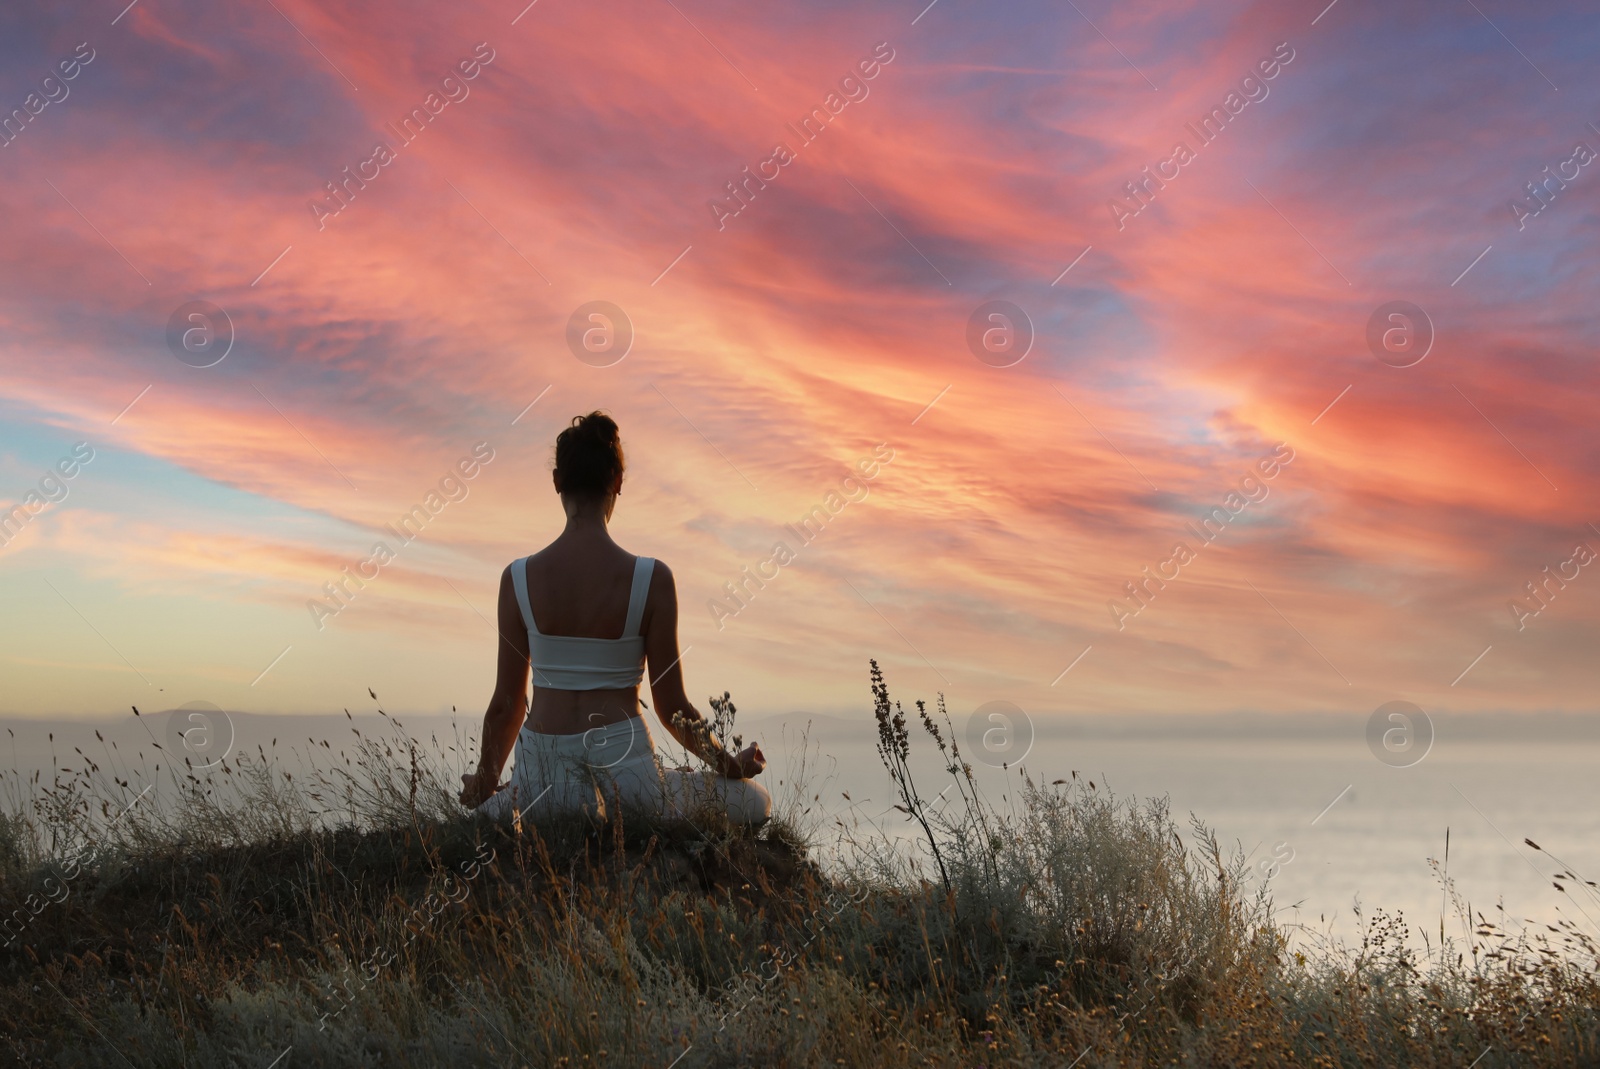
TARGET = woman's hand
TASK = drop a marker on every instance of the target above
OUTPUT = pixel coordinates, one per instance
(746, 764)
(477, 788)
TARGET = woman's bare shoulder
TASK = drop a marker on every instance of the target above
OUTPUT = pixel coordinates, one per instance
(538, 557)
(663, 589)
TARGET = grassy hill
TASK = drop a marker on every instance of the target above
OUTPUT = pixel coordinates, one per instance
(361, 919)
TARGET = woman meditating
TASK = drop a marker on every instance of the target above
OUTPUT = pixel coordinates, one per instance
(586, 615)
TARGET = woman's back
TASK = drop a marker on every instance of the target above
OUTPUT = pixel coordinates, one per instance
(580, 587)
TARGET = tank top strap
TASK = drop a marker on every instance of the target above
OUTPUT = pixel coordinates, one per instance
(642, 568)
(519, 580)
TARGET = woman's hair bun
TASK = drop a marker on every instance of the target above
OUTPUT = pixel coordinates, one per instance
(589, 455)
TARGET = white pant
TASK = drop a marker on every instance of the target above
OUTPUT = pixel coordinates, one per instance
(582, 772)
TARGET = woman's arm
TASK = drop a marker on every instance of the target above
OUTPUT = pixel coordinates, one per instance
(677, 714)
(508, 705)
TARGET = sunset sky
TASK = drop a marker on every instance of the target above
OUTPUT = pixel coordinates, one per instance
(1179, 339)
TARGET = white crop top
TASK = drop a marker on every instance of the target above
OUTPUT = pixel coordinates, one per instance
(572, 662)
